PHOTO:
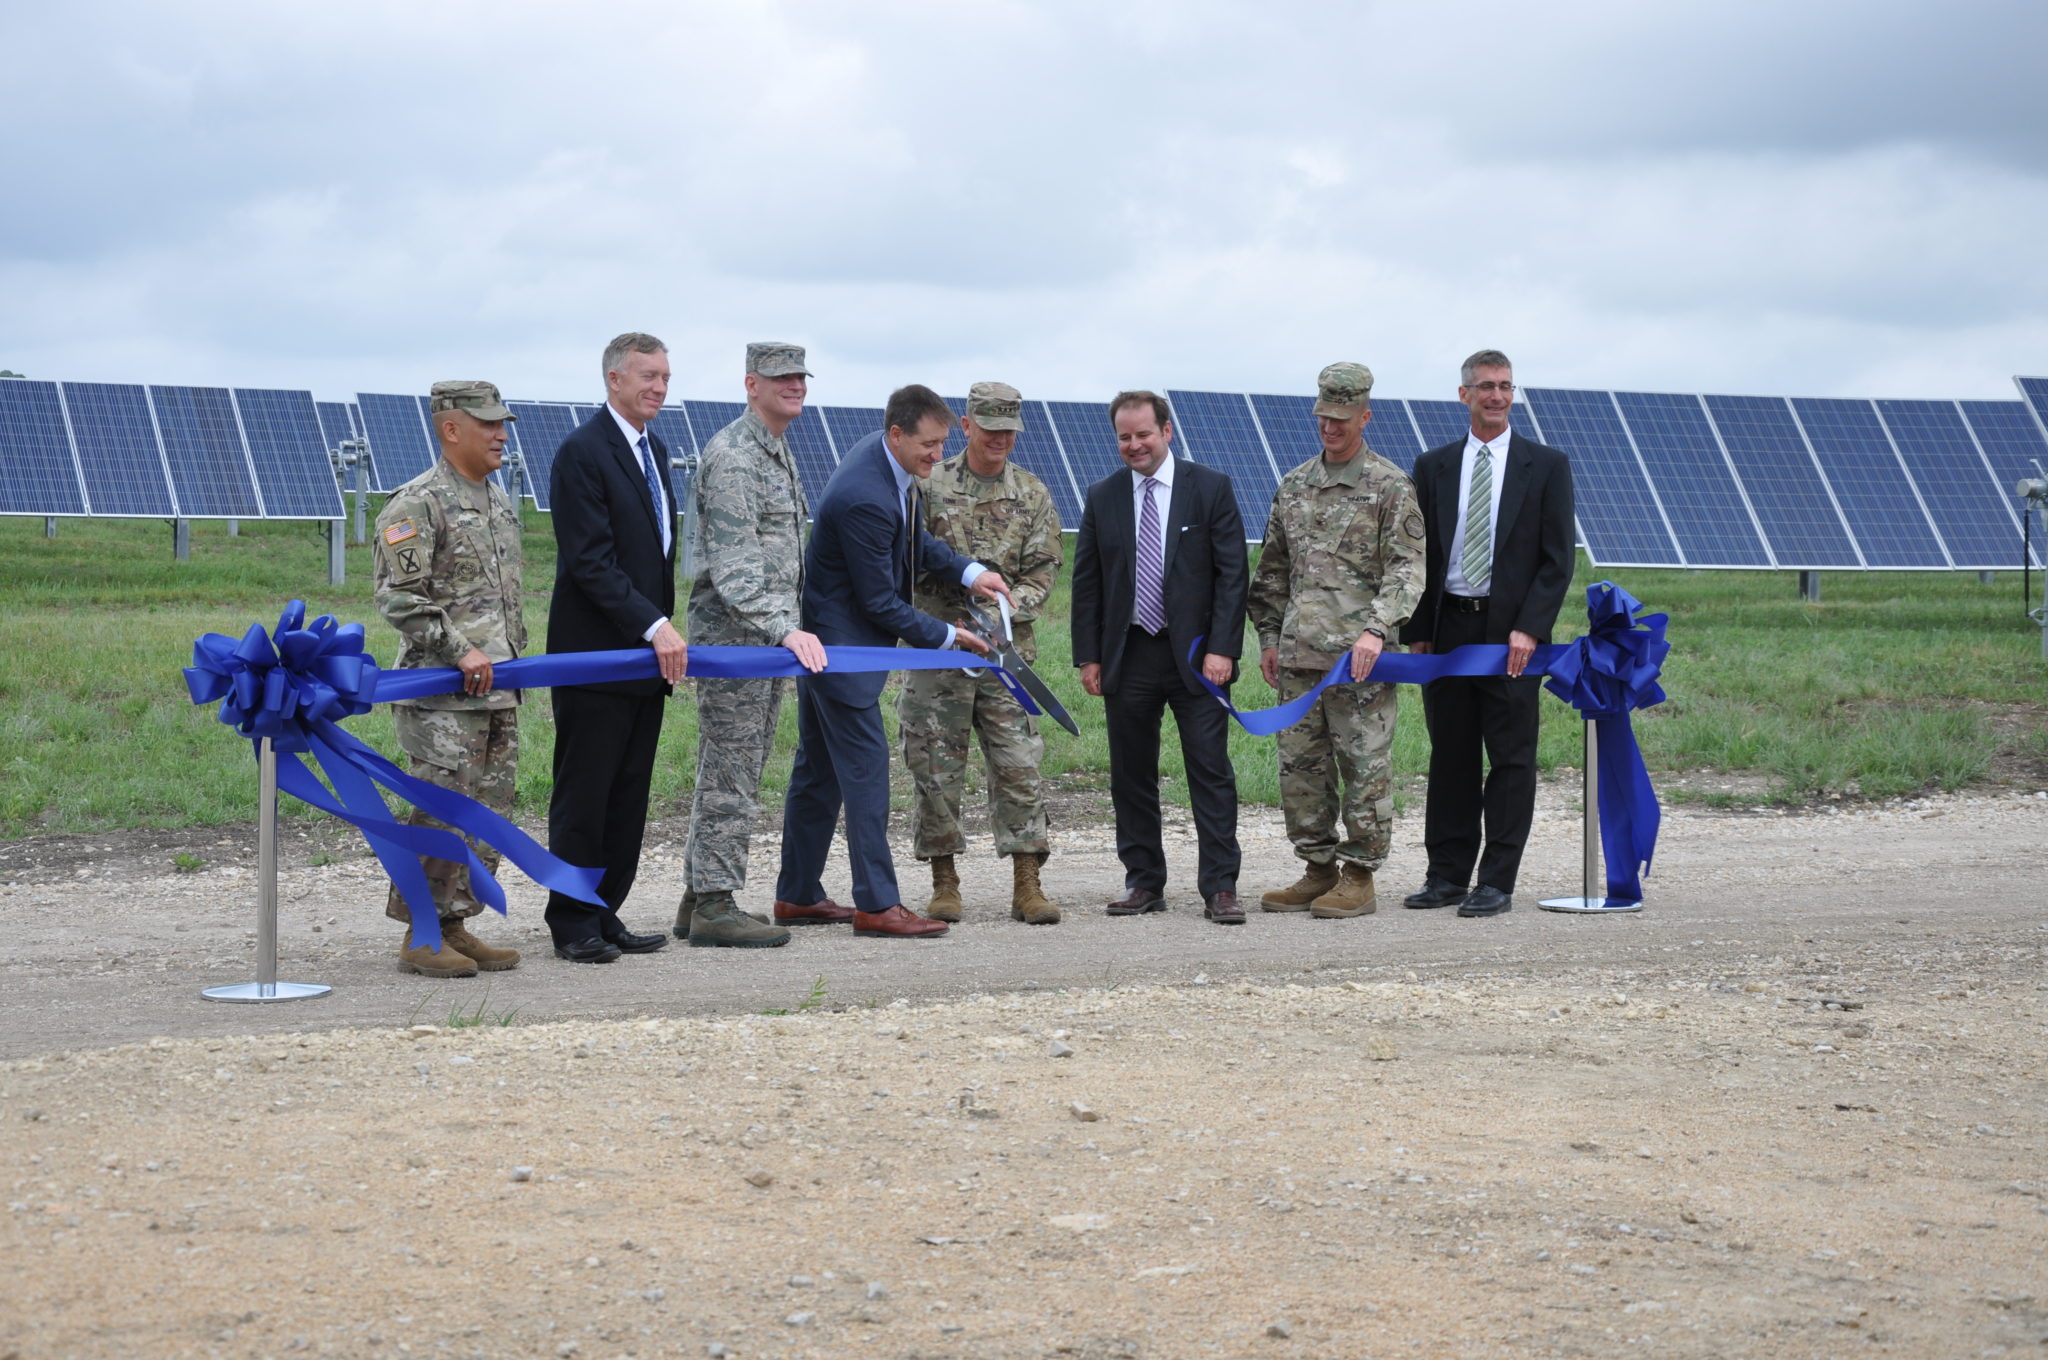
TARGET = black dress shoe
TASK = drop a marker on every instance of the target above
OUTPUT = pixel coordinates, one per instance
(1436, 892)
(626, 942)
(587, 951)
(1487, 901)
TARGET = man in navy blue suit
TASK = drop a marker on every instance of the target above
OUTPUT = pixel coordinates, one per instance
(868, 542)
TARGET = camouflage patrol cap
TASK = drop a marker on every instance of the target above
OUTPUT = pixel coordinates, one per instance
(776, 359)
(480, 399)
(995, 406)
(1343, 389)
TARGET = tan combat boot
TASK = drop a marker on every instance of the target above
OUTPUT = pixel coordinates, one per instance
(945, 904)
(686, 912)
(716, 922)
(455, 935)
(1353, 895)
(444, 962)
(1316, 879)
(1028, 902)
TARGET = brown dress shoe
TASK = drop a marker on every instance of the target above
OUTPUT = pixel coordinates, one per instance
(1222, 908)
(896, 921)
(1136, 902)
(823, 912)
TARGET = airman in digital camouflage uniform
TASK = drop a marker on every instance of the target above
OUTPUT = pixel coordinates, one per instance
(1341, 571)
(987, 507)
(748, 593)
(448, 559)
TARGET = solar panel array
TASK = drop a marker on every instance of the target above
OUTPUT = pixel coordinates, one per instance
(1663, 479)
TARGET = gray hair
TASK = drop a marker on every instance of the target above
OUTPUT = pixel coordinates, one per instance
(632, 342)
(1486, 358)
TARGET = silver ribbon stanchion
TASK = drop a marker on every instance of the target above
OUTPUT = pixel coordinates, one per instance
(1590, 880)
(266, 987)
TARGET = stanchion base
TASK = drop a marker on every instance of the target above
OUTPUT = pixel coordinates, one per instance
(1587, 905)
(267, 991)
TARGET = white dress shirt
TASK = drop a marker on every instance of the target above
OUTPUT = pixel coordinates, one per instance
(1495, 449)
(903, 479)
(633, 438)
(1164, 476)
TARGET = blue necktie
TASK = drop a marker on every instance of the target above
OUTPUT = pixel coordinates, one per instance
(654, 491)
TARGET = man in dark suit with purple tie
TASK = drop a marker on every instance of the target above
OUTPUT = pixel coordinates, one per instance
(1160, 562)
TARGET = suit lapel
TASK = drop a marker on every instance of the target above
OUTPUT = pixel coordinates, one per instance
(1448, 508)
(629, 462)
(1514, 485)
(1176, 518)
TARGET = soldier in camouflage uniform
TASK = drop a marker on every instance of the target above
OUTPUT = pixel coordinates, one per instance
(748, 591)
(988, 508)
(1340, 572)
(448, 558)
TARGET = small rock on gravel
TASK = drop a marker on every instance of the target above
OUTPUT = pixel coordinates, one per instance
(1279, 1330)
(760, 1180)
(522, 1174)
(1056, 1049)
(1083, 1113)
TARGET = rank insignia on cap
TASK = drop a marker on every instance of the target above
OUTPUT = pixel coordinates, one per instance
(401, 531)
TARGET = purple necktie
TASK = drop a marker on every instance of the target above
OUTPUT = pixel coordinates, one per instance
(1151, 597)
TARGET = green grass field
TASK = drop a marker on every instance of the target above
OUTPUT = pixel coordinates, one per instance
(1895, 683)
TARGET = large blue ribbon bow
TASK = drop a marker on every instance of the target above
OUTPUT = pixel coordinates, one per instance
(296, 686)
(1607, 674)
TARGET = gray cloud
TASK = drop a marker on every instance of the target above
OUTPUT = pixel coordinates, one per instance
(1820, 197)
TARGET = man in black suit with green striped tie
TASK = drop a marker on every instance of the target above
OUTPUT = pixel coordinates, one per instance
(1498, 512)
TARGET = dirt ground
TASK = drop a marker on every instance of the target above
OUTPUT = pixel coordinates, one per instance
(1797, 1107)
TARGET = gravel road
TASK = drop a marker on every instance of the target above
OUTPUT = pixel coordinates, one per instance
(1796, 1107)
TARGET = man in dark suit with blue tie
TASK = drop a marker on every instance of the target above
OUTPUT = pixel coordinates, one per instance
(1160, 562)
(615, 587)
(868, 541)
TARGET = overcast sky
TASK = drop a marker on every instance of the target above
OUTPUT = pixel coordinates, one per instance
(1783, 197)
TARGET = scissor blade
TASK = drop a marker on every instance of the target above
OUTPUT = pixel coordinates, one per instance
(1039, 692)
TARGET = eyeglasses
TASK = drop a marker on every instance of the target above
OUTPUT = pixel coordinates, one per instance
(1506, 389)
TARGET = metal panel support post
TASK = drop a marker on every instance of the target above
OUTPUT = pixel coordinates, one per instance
(1809, 586)
(337, 551)
(181, 539)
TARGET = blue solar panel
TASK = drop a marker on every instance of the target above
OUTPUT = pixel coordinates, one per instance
(336, 422)
(2013, 444)
(1218, 429)
(1088, 438)
(850, 424)
(400, 448)
(815, 462)
(1973, 515)
(290, 456)
(1618, 513)
(2035, 391)
(1785, 488)
(956, 438)
(203, 444)
(118, 453)
(38, 474)
(1038, 453)
(1698, 492)
(1877, 498)
(543, 425)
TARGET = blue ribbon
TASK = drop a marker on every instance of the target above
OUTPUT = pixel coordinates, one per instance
(296, 687)
(1607, 674)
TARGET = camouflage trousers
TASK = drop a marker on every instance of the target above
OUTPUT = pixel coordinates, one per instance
(1347, 735)
(735, 733)
(936, 712)
(472, 751)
